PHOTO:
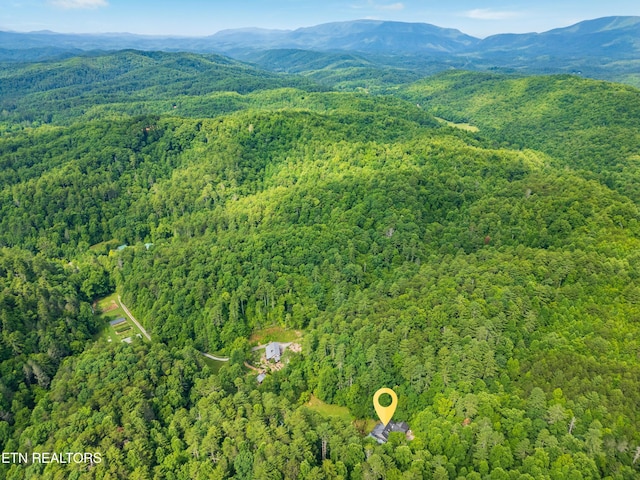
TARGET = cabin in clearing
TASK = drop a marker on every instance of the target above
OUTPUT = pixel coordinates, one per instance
(273, 352)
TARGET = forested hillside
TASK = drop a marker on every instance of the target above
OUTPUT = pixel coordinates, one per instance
(63, 91)
(489, 277)
(45, 317)
(583, 124)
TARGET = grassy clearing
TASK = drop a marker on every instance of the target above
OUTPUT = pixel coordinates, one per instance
(329, 410)
(109, 309)
(214, 365)
(363, 426)
(274, 334)
(106, 306)
(462, 126)
(105, 247)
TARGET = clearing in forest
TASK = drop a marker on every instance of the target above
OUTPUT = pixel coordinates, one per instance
(467, 127)
(274, 334)
(329, 410)
(110, 310)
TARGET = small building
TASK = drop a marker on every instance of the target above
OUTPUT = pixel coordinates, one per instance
(127, 340)
(273, 352)
(117, 321)
(261, 377)
(381, 432)
(122, 247)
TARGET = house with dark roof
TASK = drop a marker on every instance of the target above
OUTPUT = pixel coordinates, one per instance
(273, 352)
(381, 432)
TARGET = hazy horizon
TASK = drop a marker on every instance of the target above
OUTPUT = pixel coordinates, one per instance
(193, 18)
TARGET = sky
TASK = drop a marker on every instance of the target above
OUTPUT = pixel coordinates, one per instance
(205, 17)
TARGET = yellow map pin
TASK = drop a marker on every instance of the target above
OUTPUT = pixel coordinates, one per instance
(385, 413)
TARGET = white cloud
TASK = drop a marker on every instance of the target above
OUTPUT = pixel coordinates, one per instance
(79, 3)
(376, 6)
(392, 6)
(488, 14)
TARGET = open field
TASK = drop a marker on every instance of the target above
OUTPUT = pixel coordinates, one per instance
(329, 410)
(274, 334)
(364, 426)
(110, 310)
(462, 126)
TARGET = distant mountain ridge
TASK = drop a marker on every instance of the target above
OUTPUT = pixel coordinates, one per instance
(367, 36)
(611, 35)
(606, 48)
(372, 36)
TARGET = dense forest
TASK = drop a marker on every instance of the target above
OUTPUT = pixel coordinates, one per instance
(470, 240)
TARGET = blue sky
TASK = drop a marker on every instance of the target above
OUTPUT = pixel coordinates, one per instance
(204, 17)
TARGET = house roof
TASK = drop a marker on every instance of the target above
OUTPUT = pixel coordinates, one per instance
(398, 427)
(261, 377)
(117, 321)
(381, 432)
(273, 351)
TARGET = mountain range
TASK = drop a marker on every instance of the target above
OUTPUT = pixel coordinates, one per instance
(344, 53)
(365, 36)
(617, 37)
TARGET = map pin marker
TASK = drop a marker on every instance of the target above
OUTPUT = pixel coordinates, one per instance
(385, 413)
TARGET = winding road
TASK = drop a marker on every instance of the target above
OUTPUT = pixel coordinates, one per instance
(213, 357)
(146, 334)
